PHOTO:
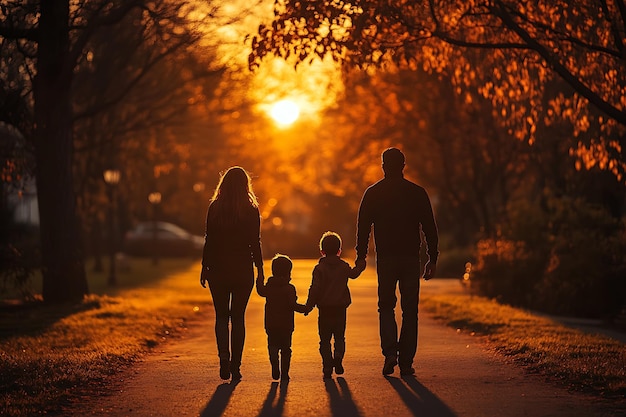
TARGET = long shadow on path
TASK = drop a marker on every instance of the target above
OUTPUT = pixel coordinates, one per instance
(219, 401)
(418, 398)
(271, 408)
(341, 402)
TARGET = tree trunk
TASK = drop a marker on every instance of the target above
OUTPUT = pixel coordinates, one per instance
(63, 270)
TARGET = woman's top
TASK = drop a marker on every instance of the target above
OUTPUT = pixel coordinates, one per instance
(240, 240)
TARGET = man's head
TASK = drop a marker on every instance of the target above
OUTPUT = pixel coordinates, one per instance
(281, 266)
(393, 161)
(330, 244)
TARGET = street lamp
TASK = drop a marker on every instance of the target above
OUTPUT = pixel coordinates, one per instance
(154, 199)
(112, 178)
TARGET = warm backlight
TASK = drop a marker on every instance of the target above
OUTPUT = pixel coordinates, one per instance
(285, 112)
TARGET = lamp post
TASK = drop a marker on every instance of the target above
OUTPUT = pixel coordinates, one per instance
(112, 178)
(154, 199)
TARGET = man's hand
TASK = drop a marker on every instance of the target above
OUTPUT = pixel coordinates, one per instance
(429, 270)
(204, 276)
(308, 310)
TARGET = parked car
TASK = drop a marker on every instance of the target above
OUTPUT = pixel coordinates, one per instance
(162, 239)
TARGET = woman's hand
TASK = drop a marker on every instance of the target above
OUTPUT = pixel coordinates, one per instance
(204, 276)
(260, 274)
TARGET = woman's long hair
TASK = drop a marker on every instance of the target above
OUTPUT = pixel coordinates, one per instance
(233, 196)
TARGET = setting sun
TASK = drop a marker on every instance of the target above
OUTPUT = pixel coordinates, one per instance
(285, 112)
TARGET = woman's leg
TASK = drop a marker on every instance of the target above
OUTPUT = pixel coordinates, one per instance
(221, 301)
(240, 293)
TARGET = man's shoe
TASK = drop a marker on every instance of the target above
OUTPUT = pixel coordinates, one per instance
(390, 363)
(407, 370)
(328, 372)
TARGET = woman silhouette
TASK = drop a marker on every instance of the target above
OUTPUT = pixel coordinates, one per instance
(232, 245)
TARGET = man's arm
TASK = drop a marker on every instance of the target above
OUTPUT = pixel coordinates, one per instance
(429, 227)
(364, 227)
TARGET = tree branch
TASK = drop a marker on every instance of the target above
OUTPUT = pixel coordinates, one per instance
(608, 108)
(110, 18)
(12, 33)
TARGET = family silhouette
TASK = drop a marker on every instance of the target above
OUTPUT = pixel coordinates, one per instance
(396, 209)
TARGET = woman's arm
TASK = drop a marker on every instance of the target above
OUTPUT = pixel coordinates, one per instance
(208, 251)
(261, 289)
(255, 240)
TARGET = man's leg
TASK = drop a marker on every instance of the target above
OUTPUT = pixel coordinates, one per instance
(387, 278)
(409, 285)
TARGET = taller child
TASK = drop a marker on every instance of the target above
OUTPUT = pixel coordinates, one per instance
(329, 292)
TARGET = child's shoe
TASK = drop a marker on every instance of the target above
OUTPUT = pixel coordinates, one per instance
(275, 371)
(339, 368)
(236, 374)
(224, 369)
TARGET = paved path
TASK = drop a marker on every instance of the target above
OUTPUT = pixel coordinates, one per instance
(456, 374)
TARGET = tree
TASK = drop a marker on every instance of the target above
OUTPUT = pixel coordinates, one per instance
(523, 47)
(51, 40)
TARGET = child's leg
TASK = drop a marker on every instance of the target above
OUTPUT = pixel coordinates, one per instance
(273, 348)
(339, 332)
(285, 356)
(324, 322)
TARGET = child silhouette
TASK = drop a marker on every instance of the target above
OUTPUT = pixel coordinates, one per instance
(329, 292)
(281, 302)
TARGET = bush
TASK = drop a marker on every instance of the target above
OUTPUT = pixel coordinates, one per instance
(568, 258)
(586, 272)
(19, 257)
(506, 270)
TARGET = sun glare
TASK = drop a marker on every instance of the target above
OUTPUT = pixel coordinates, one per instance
(285, 112)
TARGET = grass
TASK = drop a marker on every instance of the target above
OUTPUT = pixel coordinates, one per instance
(49, 354)
(581, 361)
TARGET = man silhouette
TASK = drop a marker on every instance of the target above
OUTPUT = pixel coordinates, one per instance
(398, 209)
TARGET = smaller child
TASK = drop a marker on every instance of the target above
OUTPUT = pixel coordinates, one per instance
(280, 304)
(329, 291)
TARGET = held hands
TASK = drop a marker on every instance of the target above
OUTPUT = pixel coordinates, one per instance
(429, 270)
(260, 274)
(360, 264)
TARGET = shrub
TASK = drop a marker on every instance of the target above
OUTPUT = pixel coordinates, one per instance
(586, 272)
(568, 258)
(506, 270)
(19, 257)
